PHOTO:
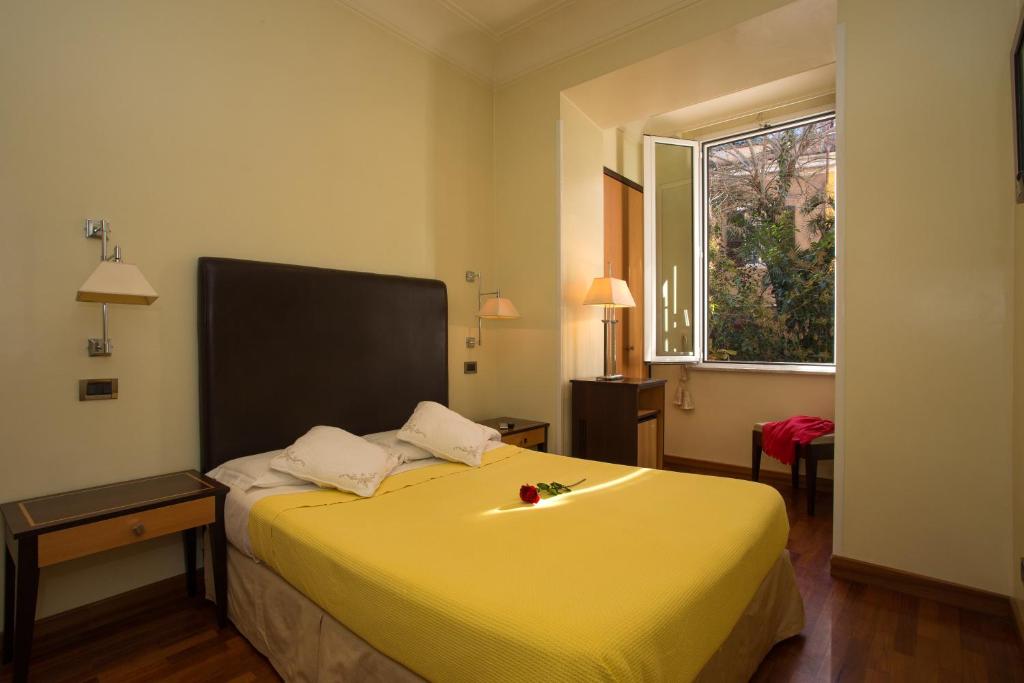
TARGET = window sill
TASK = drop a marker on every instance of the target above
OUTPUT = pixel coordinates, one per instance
(794, 369)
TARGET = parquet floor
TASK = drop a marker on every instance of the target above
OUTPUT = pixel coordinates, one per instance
(853, 633)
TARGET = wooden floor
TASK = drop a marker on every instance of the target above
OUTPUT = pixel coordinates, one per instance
(860, 633)
(853, 633)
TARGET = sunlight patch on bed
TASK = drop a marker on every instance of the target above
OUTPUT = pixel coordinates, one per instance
(566, 498)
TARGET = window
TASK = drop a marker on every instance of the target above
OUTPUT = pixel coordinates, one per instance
(741, 267)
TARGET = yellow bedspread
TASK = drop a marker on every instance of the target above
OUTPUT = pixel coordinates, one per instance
(637, 575)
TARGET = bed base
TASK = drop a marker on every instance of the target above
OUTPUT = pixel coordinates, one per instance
(307, 645)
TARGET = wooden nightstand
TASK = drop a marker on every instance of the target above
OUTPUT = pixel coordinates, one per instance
(523, 433)
(43, 531)
(621, 421)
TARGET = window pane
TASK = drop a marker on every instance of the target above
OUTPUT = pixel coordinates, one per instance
(673, 296)
(771, 246)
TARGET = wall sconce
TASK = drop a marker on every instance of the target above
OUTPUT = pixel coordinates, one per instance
(113, 282)
(496, 308)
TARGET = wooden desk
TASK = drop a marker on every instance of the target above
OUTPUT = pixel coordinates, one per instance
(523, 433)
(43, 531)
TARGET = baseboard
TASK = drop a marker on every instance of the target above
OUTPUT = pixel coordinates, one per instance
(946, 592)
(721, 469)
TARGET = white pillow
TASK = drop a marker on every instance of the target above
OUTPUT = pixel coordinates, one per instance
(405, 451)
(333, 458)
(252, 471)
(447, 434)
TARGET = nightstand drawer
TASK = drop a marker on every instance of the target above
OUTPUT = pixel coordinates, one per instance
(67, 544)
(527, 439)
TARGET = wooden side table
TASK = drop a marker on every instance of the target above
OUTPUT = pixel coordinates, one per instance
(621, 421)
(43, 531)
(522, 433)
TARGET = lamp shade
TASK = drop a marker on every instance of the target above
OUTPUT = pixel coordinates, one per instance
(609, 291)
(116, 282)
(498, 308)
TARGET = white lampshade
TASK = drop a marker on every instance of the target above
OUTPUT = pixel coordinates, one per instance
(498, 308)
(609, 291)
(116, 282)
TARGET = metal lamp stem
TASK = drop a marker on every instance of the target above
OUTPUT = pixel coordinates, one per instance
(101, 230)
(611, 361)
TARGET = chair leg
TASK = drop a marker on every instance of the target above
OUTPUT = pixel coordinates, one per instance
(795, 468)
(811, 467)
(755, 456)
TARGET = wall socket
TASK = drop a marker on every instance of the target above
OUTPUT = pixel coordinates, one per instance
(469, 367)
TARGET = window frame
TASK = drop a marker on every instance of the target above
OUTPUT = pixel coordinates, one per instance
(701, 264)
(651, 354)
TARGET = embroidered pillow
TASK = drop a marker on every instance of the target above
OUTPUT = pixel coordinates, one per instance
(447, 434)
(405, 451)
(333, 458)
(252, 471)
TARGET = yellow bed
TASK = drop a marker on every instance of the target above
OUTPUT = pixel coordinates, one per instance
(636, 575)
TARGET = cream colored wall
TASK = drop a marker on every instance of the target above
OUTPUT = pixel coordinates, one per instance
(1018, 410)
(284, 131)
(1018, 404)
(623, 151)
(926, 413)
(582, 209)
(527, 216)
(927, 303)
(728, 403)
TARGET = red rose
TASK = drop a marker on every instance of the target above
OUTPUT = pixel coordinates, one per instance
(529, 494)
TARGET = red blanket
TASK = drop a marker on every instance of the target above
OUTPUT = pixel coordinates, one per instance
(779, 439)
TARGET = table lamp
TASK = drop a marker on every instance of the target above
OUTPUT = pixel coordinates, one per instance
(611, 293)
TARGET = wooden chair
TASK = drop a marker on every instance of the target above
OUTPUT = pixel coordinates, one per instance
(822, 448)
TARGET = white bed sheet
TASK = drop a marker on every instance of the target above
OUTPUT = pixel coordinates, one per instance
(239, 503)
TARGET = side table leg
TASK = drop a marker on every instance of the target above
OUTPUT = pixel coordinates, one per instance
(188, 537)
(218, 548)
(25, 605)
(9, 574)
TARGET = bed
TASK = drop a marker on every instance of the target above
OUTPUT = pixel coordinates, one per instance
(443, 574)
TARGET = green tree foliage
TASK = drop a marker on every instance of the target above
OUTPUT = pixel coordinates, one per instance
(771, 246)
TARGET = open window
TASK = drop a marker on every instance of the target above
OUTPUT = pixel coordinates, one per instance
(673, 248)
(740, 247)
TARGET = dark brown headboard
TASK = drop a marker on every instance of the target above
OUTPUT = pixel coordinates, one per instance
(284, 348)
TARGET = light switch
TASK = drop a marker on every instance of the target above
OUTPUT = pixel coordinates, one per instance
(97, 389)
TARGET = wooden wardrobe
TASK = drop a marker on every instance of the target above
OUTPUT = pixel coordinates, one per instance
(624, 250)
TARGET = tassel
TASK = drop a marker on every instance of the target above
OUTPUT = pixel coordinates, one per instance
(683, 399)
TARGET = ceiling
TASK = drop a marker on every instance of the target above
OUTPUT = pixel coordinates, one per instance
(765, 61)
(498, 17)
(499, 41)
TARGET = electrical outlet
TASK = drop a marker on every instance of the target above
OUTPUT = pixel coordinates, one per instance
(469, 367)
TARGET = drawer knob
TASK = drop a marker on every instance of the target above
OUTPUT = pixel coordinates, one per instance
(139, 529)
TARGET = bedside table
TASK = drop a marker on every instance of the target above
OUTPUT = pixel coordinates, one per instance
(44, 531)
(621, 422)
(523, 433)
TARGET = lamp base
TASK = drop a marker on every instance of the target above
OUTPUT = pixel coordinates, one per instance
(608, 378)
